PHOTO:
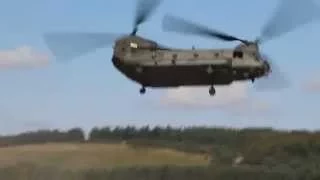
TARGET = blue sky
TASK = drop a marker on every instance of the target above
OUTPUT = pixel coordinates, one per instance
(89, 92)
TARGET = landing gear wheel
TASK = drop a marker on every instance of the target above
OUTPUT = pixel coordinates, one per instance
(143, 90)
(212, 91)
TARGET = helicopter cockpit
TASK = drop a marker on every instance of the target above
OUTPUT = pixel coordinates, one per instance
(250, 50)
(238, 52)
(133, 43)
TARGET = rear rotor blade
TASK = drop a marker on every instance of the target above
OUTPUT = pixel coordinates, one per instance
(289, 15)
(144, 10)
(179, 25)
(276, 80)
(67, 45)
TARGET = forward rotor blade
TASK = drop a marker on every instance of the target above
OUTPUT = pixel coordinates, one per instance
(67, 45)
(179, 25)
(276, 80)
(144, 10)
(290, 15)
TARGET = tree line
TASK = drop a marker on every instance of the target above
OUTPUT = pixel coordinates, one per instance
(43, 136)
(200, 135)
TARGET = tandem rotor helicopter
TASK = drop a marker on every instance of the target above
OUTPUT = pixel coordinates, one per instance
(149, 64)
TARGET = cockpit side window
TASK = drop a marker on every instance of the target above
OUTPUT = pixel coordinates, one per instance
(133, 45)
(238, 54)
(255, 56)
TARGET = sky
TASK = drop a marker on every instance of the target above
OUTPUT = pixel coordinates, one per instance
(37, 91)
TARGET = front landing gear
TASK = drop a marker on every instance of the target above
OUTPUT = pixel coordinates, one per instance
(212, 91)
(142, 90)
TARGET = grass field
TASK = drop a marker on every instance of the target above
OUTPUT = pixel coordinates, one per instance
(84, 156)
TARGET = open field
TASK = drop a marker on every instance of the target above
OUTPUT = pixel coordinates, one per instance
(90, 155)
(156, 154)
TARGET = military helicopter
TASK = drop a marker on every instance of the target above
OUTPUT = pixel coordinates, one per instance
(150, 64)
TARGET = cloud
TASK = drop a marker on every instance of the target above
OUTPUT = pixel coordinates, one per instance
(312, 83)
(23, 56)
(312, 86)
(233, 99)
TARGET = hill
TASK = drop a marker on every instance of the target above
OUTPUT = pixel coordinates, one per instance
(93, 155)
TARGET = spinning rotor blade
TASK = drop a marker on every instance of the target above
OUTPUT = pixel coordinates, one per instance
(276, 80)
(290, 15)
(144, 10)
(71, 45)
(175, 24)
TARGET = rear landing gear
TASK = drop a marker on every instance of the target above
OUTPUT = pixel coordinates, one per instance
(142, 90)
(212, 91)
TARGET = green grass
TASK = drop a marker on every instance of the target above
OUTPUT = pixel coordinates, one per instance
(94, 156)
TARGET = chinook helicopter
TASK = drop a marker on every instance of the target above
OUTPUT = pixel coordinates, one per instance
(150, 64)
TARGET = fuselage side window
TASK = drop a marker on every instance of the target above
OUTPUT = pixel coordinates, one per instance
(174, 56)
(238, 54)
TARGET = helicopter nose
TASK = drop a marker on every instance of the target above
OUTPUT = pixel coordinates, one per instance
(267, 68)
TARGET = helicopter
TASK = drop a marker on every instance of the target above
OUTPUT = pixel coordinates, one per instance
(150, 64)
